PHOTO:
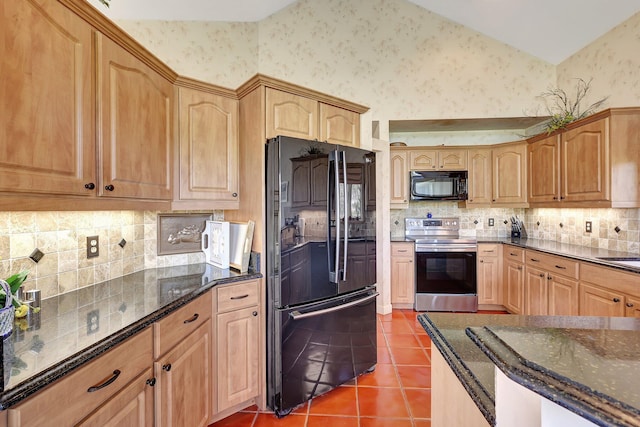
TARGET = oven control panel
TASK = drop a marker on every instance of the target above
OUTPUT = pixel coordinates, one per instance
(432, 223)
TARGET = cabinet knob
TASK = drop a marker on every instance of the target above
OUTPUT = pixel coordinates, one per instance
(151, 382)
(549, 278)
(541, 274)
(519, 267)
(471, 200)
(166, 367)
(90, 186)
(493, 200)
(555, 198)
(629, 304)
(616, 300)
(255, 313)
(235, 194)
(109, 187)
(561, 197)
(481, 260)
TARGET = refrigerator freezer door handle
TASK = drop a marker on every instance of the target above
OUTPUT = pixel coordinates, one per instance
(346, 217)
(333, 159)
(296, 315)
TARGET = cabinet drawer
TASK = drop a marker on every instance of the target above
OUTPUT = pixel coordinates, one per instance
(69, 400)
(402, 250)
(610, 278)
(514, 253)
(485, 249)
(173, 328)
(233, 297)
(554, 264)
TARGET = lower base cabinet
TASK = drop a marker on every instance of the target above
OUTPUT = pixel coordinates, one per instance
(183, 391)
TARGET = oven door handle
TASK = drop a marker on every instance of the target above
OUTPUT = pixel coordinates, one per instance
(296, 315)
(444, 248)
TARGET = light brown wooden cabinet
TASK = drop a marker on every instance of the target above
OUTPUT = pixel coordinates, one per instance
(438, 159)
(309, 181)
(298, 116)
(479, 183)
(608, 292)
(47, 144)
(551, 286)
(206, 173)
(587, 164)
(513, 279)
(489, 274)
(402, 274)
(135, 133)
(101, 385)
(509, 175)
(237, 344)
(183, 365)
(399, 173)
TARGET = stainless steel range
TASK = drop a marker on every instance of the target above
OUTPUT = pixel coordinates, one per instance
(445, 265)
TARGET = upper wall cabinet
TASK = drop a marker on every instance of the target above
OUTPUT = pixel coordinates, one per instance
(290, 115)
(301, 113)
(135, 116)
(207, 151)
(509, 175)
(47, 143)
(399, 173)
(479, 185)
(339, 126)
(593, 163)
(439, 159)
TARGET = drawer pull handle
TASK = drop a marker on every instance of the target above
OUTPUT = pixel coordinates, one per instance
(241, 296)
(151, 382)
(616, 300)
(403, 250)
(192, 319)
(105, 383)
(534, 260)
(489, 251)
(512, 254)
(166, 367)
(561, 267)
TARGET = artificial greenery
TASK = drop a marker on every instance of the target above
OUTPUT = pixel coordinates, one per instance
(14, 283)
(563, 109)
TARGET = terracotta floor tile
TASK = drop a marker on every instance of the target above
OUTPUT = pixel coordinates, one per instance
(239, 419)
(382, 402)
(425, 340)
(302, 409)
(384, 422)
(396, 327)
(419, 402)
(383, 376)
(410, 356)
(384, 356)
(341, 401)
(422, 423)
(381, 340)
(403, 340)
(324, 420)
(415, 376)
(252, 408)
(269, 420)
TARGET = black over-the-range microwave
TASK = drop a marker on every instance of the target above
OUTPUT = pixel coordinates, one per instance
(438, 185)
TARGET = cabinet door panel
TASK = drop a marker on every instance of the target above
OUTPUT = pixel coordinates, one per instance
(183, 391)
(632, 307)
(47, 142)
(509, 174)
(208, 146)
(479, 182)
(544, 170)
(488, 274)
(238, 356)
(423, 160)
(399, 179)
(595, 301)
(514, 287)
(454, 159)
(585, 158)
(563, 296)
(135, 105)
(339, 126)
(536, 292)
(290, 115)
(402, 273)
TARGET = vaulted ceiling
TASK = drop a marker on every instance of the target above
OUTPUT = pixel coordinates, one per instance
(551, 30)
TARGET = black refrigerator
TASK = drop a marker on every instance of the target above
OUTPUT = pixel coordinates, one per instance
(320, 268)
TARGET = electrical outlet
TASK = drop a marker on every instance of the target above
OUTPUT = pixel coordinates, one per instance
(93, 321)
(587, 227)
(93, 246)
(491, 223)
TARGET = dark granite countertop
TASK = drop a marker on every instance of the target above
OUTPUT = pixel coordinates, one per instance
(59, 338)
(474, 364)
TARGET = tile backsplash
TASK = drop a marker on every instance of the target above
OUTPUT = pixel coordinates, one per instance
(61, 236)
(562, 225)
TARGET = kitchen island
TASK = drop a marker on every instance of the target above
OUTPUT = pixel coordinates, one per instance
(573, 370)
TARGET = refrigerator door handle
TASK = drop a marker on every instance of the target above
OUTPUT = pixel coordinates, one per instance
(346, 217)
(333, 161)
(296, 315)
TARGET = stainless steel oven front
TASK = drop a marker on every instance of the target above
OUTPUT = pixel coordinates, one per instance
(445, 265)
